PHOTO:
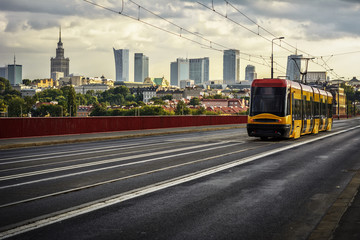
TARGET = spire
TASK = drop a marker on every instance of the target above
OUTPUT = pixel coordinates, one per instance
(60, 34)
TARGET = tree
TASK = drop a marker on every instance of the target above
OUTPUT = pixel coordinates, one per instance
(123, 90)
(26, 82)
(181, 108)
(99, 110)
(199, 111)
(194, 101)
(167, 97)
(157, 101)
(52, 110)
(4, 84)
(16, 107)
(2, 105)
(81, 99)
(71, 102)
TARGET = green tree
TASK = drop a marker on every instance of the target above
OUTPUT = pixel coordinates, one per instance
(16, 107)
(26, 82)
(71, 102)
(199, 111)
(81, 99)
(99, 110)
(123, 90)
(52, 110)
(4, 84)
(167, 97)
(157, 101)
(182, 109)
(2, 105)
(194, 101)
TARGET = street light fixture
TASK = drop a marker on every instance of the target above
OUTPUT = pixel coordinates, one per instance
(272, 55)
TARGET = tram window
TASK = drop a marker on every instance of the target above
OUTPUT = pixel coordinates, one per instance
(297, 109)
(288, 102)
(268, 100)
(330, 110)
(316, 110)
(308, 109)
(323, 109)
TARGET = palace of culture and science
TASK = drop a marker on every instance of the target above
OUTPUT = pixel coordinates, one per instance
(59, 64)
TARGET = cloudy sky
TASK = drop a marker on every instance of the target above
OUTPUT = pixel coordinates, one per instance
(326, 29)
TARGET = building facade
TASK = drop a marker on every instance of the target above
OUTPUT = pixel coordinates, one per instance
(186, 83)
(59, 63)
(318, 77)
(14, 74)
(4, 72)
(231, 66)
(293, 67)
(179, 70)
(121, 64)
(141, 67)
(199, 70)
(250, 73)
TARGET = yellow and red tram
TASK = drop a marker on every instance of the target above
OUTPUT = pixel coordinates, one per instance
(288, 109)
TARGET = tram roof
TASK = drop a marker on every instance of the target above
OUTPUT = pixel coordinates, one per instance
(268, 82)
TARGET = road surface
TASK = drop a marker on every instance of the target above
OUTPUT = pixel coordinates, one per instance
(204, 185)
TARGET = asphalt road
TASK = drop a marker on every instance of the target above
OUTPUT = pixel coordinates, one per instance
(204, 185)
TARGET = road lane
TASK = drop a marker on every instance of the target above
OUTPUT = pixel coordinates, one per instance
(234, 147)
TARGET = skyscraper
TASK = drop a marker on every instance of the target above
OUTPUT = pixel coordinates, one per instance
(141, 67)
(231, 66)
(179, 70)
(59, 63)
(250, 73)
(121, 64)
(14, 72)
(4, 72)
(293, 67)
(199, 70)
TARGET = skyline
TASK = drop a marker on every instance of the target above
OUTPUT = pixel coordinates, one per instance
(30, 31)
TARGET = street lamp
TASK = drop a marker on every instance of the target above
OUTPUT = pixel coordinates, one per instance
(272, 55)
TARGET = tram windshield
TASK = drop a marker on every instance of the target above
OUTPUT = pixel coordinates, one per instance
(268, 100)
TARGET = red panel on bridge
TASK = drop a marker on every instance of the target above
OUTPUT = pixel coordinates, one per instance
(28, 127)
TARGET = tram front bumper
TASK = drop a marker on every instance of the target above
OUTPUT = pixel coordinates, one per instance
(268, 130)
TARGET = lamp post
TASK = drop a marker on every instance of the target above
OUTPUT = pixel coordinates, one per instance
(272, 56)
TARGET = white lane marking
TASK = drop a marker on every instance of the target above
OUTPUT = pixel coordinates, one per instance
(113, 166)
(103, 203)
(124, 178)
(73, 153)
(79, 159)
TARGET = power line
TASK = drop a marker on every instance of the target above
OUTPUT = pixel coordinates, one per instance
(210, 44)
(325, 66)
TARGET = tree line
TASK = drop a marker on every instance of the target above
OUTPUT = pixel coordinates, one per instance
(68, 101)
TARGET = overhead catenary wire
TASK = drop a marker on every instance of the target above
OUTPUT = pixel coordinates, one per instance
(324, 65)
(182, 30)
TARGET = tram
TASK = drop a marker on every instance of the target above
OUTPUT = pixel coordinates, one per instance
(287, 109)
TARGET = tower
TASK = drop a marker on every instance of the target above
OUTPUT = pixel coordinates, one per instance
(179, 70)
(250, 73)
(14, 72)
(199, 70)
(231, 66)
(293, 67)
(141, 67)
(59, 63)
(121, 64)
